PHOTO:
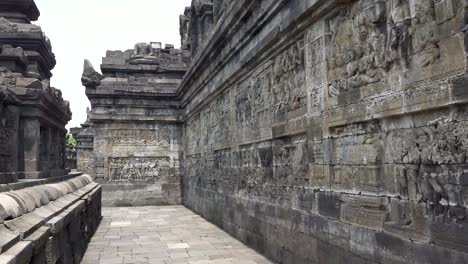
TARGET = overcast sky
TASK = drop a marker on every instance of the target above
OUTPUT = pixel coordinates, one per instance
(87, 28)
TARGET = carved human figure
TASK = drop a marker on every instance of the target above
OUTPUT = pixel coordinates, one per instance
(375, 12)
(399, 23)
(366, 69)
(144, 54)
(342, 39)
(142, 49)
(425, 36)
(3, 73)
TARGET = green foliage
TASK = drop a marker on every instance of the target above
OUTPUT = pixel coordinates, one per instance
(71, 141)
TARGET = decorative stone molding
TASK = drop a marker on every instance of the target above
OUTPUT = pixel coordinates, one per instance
(90, 78)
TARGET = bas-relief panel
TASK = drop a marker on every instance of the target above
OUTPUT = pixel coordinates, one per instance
(432, 160)
(218, 121)
(86, 164)
(192, 135)
(273, 94)
(380, 48)
(137, 137)
(288, 90)
(253, 106)
(138, 169)
(8, 130)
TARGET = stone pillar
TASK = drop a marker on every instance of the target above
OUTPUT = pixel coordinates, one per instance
(31, 141)
(9, 127)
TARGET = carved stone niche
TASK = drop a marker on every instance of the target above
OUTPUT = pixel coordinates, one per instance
(201, 23)
(9, 126)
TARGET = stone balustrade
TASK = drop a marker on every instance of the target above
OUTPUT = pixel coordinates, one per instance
(50, 222)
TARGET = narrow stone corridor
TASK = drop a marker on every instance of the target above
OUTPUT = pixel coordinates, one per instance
(164, 235)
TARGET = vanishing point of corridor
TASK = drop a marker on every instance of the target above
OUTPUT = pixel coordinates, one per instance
(163, 235)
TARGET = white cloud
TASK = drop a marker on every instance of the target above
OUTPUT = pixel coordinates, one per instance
(87, 28)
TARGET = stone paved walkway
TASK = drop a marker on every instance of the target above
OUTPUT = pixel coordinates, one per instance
(164, 235)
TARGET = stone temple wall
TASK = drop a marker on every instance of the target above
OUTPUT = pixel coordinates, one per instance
(330, 131)
(47, 215)
(132, 142)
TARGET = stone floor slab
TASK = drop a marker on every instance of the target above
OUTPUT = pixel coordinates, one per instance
(169, 234)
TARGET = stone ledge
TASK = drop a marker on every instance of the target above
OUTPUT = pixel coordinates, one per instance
(35, 218)
(31, 183)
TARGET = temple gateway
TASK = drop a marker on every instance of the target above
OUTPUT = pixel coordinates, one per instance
(310, 131)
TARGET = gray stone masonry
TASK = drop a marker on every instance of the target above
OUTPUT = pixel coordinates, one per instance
(132, 140)
(331, 131)
(49, 223)
(313, 131)
(33, 114)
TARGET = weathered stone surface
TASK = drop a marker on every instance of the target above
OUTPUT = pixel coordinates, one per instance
(133, 147)
(313, 131)
(71, 218)
(90, 77)
(33, 114)
(347, 113)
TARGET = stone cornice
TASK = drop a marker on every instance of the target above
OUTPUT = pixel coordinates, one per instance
(51, 111)
(154, 69)
(34, 41)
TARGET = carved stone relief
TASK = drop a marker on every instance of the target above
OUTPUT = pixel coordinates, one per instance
(425, 35)
(8, 129)
(220, 120)
(371, 39)
(138, 169)
(43, 148)
(445, 10)
(288, 91)
(134, 137)
(90, 78)
(86, 165)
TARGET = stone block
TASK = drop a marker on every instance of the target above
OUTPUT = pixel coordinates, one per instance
(7, 238)
(25, 225)
(21, 252)
(391, 249)
(39, 239)
(57, 224)
(432, 254)
(9, 207)
(339, 234)
(364, 211)
(408, 219)
(450, 235)
(54, 249)
(362, 241)
(329, 204)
